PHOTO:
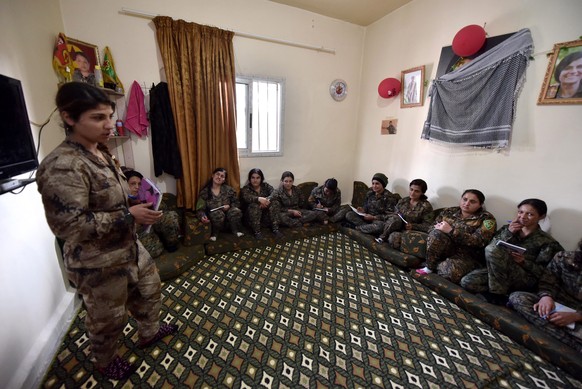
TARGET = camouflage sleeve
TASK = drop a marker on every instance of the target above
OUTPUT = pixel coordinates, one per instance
(426, 216)
(539, 264)
(337, 202)
(548, 284)
(312, 199)
(232, 197)
(248, 195)
(479, 237)
(65, 194)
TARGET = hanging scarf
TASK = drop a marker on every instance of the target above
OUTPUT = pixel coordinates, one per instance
(475, 104)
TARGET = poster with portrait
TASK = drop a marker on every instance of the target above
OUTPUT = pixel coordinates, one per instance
(84, 56)
(412, 81)
(563, 81)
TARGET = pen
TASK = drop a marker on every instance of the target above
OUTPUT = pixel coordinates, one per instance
(400, 216)
(546, 316)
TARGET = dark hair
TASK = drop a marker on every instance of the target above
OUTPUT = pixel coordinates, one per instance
(567, 60)
(422, 184)
(331, 184)
(478, 193)
(76, 98)
(539, 205)
(208, 185)
(133, 173)
(82, 54)
(258, 171)
(287, 174)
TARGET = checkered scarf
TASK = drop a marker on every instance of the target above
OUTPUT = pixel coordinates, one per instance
(475, 104)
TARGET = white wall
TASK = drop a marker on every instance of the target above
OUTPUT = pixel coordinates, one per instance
(35, 304)
(543, 160)
(318, 132)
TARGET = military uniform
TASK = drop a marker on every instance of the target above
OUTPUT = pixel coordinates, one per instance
(562, 281)
(417, 215)
(293, 201)
(332, 203)
(165, 233)
(503, 274)
(256, 216)
(219, 217)
(381, 206)
(85, 201)
(459, 252)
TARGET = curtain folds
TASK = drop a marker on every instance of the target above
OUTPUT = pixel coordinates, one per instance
(199, 66)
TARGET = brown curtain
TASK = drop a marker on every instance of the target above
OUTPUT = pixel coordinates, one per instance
(199, 65)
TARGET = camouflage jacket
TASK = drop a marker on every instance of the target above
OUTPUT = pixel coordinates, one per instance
(286, 201)
(419, 215)
(85, 202)
(248, 195)
(563, 274)
(382, 205)
(333, 202)
(474, 232)
(208, 200)
(540, 248)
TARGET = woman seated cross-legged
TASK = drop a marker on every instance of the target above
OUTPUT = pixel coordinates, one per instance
(411, 212)
(327, 198)
(218, 205)
(509, 270)
(378, 206)
(258, 209)
(455, 244)
(557, 306)
(289, 199)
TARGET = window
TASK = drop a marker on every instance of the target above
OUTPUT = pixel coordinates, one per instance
(259, 112)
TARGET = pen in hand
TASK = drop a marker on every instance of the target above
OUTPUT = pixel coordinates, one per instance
(545, 317)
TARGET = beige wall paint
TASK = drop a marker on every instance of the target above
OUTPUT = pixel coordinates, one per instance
(543, 158)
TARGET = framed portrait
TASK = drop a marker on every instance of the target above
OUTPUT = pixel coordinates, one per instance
(413, 87)
(563, 80)
(84, 56)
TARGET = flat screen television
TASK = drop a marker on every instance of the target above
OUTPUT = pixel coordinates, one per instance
(17, 150)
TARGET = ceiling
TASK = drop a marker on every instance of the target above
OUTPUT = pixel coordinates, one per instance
(361, 12)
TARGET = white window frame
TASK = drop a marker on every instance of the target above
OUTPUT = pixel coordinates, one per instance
(251, 111)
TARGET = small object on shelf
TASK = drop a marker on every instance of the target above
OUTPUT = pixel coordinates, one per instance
(119, 127)
(98, 76)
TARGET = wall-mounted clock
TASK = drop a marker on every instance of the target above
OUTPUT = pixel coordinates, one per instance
(338, 89)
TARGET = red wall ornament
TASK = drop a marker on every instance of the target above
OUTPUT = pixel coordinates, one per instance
(389, 87)
(468, 40)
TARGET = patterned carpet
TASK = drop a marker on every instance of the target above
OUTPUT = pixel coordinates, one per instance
(315, 313)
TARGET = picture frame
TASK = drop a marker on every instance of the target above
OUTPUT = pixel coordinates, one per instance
(563, 80)
(412, 81)
(84, 56)
(389, 126)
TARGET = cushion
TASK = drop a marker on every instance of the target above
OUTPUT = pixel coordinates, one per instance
(306, 188)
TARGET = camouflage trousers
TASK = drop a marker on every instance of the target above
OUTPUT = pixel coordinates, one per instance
(164, 234)
(373, 227)
(339, 215)
(392, 224)
(523, 302)
(447, 259)
(219, 219)
(255, 216)
(108, 293)
(501, 276)
(307, 216)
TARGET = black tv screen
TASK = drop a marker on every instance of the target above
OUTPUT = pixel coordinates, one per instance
(17, 151)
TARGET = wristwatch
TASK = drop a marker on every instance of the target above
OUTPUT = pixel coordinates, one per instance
(128, 217)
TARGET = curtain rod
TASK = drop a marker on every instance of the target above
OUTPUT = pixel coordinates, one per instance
(147, 15)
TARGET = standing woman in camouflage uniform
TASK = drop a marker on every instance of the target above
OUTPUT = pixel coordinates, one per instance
(455, 244)
(258, 209)
(218, 203)
(378, 206)
(290, 199)
(85, 198)
(327, 198)
(507, 270)
(561, 283)
(414, 209)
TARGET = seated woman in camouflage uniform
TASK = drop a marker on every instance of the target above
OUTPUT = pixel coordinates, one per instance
(218, 205)
(165, 233)
(414, 209)
(289, 199)
(327, 198)
(258, 209)
(378, 206)
(561, 283)
(509, 270)
(455, 244)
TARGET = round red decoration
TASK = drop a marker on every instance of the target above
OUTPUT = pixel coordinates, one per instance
(468, 40)
(389, 87)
